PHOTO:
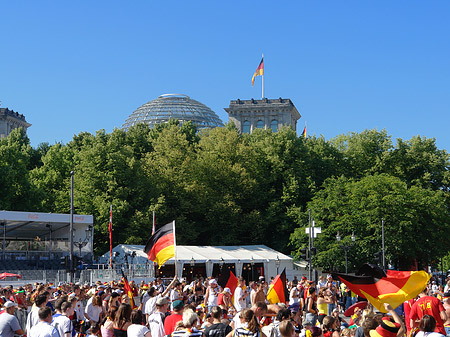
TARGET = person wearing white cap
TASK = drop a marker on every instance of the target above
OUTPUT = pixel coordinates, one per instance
(224, 299)
(9, 325)
(212, 292)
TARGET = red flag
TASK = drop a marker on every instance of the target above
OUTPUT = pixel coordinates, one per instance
(110, 236)
(128, 290)
(228, 280)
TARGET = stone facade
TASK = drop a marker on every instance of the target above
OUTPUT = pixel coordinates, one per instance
(10, 120)
(251, 114)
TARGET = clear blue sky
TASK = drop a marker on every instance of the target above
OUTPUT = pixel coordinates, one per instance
(73, 66)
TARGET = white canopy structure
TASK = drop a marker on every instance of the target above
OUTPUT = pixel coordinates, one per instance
(271, 260)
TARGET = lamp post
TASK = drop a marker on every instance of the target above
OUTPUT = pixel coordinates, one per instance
(71, 226)
(277, 263)
(81, 243)
(346, 248)
(252, 262)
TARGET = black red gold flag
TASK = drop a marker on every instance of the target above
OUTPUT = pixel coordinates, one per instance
(259, 71)
(278, 292)
(161, 245)
(393, 287)
(128, 290)
(228, 280)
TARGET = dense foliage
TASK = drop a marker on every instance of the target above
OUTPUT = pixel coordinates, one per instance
(224, 188)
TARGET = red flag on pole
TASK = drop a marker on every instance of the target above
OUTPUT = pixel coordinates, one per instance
(110, 236)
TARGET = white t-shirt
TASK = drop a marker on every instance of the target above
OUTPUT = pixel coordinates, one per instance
(93, 311)
(156, 324)
(63, 324)
(43, 329)
(150, 305)
(429, 334)
(79, 310)
(33, 317)
(292, 293)
(239, 304)
(137, 330)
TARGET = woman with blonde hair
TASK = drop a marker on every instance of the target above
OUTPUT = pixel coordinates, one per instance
(189, 326)
(250, 326)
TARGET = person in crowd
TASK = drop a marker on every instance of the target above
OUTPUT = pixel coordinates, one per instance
(211, 295)
(44, 328)
(197, 297)
(33, 317)
(156, 320)
(248, 327)
(387, 328)
(294, 295)
(323, 299)
(274, 327)
(94, 309)
(188, 326)
(287, 329)
(240, 295)
(155, 295)
(62, 322)
(136, 329)
(259, 309)
(106, 328)
(176, 316)
(311, 306)
(122, 320)
(428, 305)
(9, 324)
(427, 327)
(316, 332)
(330, 327)
(217, 328)
(224, 299)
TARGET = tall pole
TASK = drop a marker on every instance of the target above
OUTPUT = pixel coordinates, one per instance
(346, 261)
(309, 248)
(263, 76)
(382, 243)
(71, 226)
(175, 247)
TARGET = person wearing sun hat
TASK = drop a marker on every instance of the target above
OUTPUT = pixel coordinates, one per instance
(387, 328)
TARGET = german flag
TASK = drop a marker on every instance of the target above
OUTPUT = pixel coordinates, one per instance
(304, 132)
(161, 245)
(228, 280)
(259, 71)
(128, 290)
(278, 292)
(393, 287)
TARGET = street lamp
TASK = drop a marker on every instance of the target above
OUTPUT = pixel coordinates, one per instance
(252, 262)
(277, 263)
(346, 248)
(80, 244)
(192, 263)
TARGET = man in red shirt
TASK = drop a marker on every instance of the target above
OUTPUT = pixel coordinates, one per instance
(428, 305)
(176, 316)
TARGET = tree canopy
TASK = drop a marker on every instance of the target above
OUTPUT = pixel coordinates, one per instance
(227, 188)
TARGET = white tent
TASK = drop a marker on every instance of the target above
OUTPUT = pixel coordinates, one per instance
(274, 262)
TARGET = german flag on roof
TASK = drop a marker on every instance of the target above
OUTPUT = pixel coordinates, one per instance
(393, 287)
(161, 245)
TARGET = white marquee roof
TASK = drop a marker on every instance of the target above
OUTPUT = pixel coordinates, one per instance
(215, 254)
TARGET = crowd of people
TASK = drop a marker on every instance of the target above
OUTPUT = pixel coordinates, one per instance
(203, 308)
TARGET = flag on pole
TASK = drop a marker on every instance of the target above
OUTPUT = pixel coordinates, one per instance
(161, 245)
(304, 131)
(259, 71)
(278, 292)
(128, 290)
(110, 236)
(393, 287)
(153, 227)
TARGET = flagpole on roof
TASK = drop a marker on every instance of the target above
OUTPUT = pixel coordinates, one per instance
(263, 78)
(175, 247)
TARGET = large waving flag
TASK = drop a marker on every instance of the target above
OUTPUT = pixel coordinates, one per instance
(161, 245)
(259, 71)
(228, 280)
(278, 292)
(128, 290)
(393, 287)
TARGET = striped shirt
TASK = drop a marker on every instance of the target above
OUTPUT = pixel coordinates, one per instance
(243, 332)
(187, 333)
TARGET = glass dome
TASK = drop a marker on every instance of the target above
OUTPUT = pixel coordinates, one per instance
(180, 107)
